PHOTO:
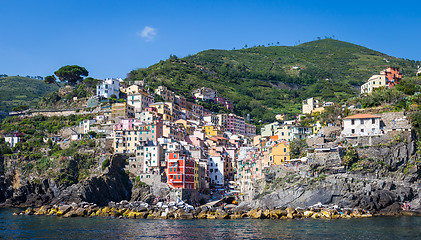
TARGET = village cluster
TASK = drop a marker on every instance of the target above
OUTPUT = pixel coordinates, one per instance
(186, 146)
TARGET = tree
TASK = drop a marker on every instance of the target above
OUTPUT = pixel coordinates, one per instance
(50, 79)
(71, 74)
(90, 82)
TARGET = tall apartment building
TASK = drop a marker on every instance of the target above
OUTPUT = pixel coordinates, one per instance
(140, 100)
(122, 110)
(180, 170)
(108, 87)
(129, 133)
(165, 94)
(235, 124)
(250, 130)
(216, 169)
(180, 101)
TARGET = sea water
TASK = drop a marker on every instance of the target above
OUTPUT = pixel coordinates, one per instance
(52, 227)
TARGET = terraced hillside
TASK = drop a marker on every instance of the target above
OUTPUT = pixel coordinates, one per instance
(264, 81)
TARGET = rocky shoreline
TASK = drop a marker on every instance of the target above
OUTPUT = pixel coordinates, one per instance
(141, 210)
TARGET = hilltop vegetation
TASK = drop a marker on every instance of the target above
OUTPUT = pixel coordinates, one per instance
(15, 91)
(264, 81)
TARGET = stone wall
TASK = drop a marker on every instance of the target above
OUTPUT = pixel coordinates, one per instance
(379, 139)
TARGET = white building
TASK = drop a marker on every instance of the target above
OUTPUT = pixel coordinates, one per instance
(147, 117)
(152, 154)
(85, 125)
(140, 101)
(108, 87)
(361, 125)
(216, 170)
(205, 94)
(12, 141)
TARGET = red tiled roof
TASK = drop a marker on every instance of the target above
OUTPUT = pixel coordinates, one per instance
(214, 138)
(362, 116)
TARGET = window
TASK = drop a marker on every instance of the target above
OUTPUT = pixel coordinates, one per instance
(352, 121)
(352, 130)
(362, 130)
(373, 121)
(362, 121)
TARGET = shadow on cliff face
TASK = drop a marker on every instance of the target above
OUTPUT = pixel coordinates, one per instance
(112, 185)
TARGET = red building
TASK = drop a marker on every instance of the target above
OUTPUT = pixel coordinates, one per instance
(393, 76)
(180, 170)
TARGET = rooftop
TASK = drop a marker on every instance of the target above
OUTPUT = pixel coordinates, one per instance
(362, 116)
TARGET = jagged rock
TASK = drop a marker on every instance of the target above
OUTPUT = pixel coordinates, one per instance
(308, 214)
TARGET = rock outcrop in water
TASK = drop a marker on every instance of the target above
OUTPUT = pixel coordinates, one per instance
(171, 210)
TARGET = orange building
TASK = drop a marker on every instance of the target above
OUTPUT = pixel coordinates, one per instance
(393, 76)
(180, 170)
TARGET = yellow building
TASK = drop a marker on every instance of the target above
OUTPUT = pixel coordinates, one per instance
(122, 110)
(211, 131)
(317, 110)
(279, 153)
(374, 81)
(164, 109)
(284, 132)
(131, 89)
(316, 127)
(187, 127)
(196, 175)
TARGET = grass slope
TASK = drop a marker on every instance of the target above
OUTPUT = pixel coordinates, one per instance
(15, 91)
(263, 81)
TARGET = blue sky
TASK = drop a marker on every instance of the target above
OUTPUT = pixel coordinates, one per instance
(111, 38)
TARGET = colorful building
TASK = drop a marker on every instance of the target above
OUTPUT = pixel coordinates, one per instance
(180, 170)
(122, 110)
(211, 130)
(140, 100)
(279, 153)
(165, 94)
(129, 133)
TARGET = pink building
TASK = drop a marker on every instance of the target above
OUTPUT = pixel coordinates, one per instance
(235, 124)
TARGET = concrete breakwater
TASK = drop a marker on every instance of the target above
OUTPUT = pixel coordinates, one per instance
(141, 210)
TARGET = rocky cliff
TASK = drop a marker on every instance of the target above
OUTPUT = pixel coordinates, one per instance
(111, 185)
(379, 178)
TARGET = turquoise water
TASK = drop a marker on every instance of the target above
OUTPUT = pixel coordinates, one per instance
(50, 227)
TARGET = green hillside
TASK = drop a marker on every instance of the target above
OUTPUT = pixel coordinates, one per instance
(263, 81)
(15, 91)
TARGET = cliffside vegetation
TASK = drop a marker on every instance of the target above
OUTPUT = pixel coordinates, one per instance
(66, 163)
(18, 91)
(264, 81)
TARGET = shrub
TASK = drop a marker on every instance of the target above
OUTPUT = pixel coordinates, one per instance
(105, 164)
